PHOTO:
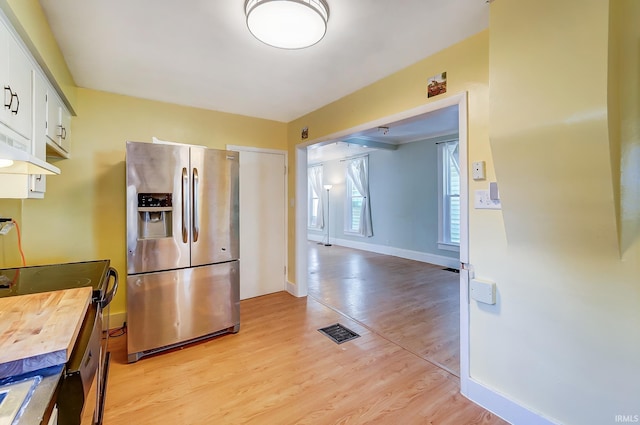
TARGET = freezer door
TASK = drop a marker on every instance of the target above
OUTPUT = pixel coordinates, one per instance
(157, 207)
(215, 220)
(169, 308)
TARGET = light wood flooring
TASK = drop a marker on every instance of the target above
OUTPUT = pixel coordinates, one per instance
(413, 304)
(279, 370)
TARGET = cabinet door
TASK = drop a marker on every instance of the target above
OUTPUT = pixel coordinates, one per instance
(53, 116)
(21, 186)
(65, 129)
(5, 114)
(20, 81)
(15, 82)
(58, 122)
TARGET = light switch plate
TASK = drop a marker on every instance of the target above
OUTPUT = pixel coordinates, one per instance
(482, 201)
(483, 291)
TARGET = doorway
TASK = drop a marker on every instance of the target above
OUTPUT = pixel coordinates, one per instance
(301, 288)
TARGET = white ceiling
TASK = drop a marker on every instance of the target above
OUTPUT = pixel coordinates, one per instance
(200, 53)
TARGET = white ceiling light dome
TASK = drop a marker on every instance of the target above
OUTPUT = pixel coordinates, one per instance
(287, 24)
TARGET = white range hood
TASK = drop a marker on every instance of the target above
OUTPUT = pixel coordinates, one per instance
(15, 161)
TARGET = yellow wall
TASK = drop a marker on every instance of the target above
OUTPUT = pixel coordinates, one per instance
(83, 214)
(467, 68)
(9, 252)
(563, 338)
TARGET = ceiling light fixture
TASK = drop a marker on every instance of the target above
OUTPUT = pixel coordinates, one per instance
(287, 24)
(5, 163)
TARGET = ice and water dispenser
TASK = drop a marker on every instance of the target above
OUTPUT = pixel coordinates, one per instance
(155, 212)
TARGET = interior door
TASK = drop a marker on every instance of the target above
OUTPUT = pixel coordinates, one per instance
(262, 223)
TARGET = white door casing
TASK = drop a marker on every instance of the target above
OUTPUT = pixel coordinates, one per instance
(262, 221)
(301, 212)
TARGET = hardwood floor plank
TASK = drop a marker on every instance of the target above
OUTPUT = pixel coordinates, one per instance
(413, 304)
(280, 370)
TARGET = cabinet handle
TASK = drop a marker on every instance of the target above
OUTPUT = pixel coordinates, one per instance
(15, 112)
(10, 94)
(62, 132)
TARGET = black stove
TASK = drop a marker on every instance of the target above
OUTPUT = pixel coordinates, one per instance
(87, 369)
(54, 277)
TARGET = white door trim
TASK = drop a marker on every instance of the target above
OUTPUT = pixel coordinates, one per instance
(459, 99)
(237, 148)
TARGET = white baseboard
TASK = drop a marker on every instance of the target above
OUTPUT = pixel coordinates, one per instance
(294, 290)
(439, 260)
(502, 406)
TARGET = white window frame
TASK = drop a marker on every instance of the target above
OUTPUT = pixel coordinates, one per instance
(310, 203)
(348, 210)
(444, 193)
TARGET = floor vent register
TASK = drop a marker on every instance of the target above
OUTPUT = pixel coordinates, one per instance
(339, 333)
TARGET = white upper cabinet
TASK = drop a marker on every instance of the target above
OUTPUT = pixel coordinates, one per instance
(33, 118)
(15, 79)
(33, 186)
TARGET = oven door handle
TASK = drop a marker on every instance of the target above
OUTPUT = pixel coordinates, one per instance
(112, 273)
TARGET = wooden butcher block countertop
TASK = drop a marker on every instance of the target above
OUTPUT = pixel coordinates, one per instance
(39, 330)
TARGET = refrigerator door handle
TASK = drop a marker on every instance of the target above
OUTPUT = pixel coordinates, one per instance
(194, 201)
(185, 192)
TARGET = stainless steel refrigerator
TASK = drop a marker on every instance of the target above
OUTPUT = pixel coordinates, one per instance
(182, 245)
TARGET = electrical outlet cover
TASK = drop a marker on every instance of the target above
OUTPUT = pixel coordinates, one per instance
(483, 291)
(478, 170)
(5, 227)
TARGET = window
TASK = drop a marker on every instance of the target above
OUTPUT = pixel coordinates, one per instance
(354, 208)
(314, 200)
(449, 196)
(314, 189)
(357, 214)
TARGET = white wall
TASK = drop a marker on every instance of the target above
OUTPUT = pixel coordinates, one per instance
(404, 204)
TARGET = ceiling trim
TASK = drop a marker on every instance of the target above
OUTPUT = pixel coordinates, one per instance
(452, 100)
(367, 143)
